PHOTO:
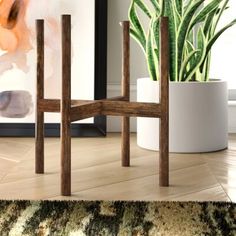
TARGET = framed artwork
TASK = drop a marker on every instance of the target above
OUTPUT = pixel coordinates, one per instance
(18, 62)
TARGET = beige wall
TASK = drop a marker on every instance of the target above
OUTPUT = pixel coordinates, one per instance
(118, 11)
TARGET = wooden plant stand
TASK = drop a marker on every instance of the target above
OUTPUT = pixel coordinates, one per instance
(74, 110)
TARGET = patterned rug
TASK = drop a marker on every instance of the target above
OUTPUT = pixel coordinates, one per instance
(116, 218)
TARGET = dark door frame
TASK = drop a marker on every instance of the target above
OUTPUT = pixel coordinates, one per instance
(98, 128)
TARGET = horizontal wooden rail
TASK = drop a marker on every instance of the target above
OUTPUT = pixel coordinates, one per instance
(119, 98)
(53, 105)
(131, 109)
(84, 111)
(49, 105)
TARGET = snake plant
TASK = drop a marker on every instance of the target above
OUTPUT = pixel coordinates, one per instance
(193, 30)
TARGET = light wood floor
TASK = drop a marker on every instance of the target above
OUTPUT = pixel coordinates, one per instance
(97, 174)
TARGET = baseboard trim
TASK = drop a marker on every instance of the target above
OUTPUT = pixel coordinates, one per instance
(51, 130)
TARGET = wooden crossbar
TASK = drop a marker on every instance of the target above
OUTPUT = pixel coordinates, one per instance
(54, 105)
(131, 109)
(84, 111)
(73, 110)
(110, 107)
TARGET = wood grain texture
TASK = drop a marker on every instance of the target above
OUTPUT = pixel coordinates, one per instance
(96, 173)
(49, 105)
(66, 107)
(74, 110)
(118, 98)
(54, 105)
(83, 111)
(131, 109)
(125, 127)
(164, 103)
(126, 60)
(39, 123)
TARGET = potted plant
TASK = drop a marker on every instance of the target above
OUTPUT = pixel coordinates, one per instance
(198, 104)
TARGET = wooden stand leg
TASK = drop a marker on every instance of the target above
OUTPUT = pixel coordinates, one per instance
(164, 101)
(39, 147)
(125, 147)
(39, 124)
(66, 107)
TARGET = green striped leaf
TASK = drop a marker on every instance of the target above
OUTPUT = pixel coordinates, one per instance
(184, 28)
(156, 6)
(207, 29)
(205, 67)
(218, 16)
(137, 27)
(170, 12)
(184, 65)
(217, 35)
(137, 38)
(143, 7)
(208, 23)
(206, 71)
(189, 58)
(151, 56)
(176, 12)
(156, 34)
(201, 46)
(179, 6)
(190, 47)
(205, 11)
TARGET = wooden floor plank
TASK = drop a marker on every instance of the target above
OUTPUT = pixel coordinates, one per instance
(13, 150)
(147, 188)
(209, 194)
(142, 162)
(97, 172)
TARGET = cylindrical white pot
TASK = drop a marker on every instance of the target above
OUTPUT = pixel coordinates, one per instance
(198, 116)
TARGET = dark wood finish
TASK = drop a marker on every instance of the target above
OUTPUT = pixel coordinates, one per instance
(131, 109)
(73, 110)
(119, 98)
(83, 111)
(39, 124)
(126, 60)
(53, 105)
(113, 107)
(125, 141)
(66, 107)
(125, 127)
(164, 103)
(49, 105)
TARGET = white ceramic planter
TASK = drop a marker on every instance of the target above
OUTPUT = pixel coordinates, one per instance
(198, 116)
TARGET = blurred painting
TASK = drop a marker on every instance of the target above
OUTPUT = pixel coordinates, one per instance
(18, 54)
